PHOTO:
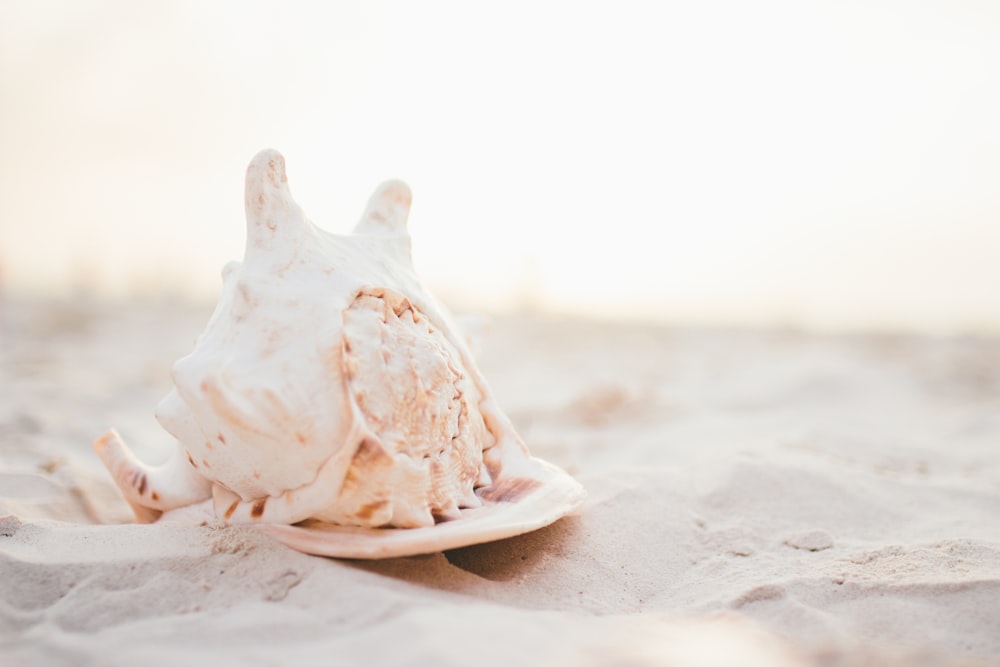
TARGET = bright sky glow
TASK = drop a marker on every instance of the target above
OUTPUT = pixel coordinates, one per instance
(825, 164)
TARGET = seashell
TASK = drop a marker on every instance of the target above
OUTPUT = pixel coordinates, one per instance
(331, 402)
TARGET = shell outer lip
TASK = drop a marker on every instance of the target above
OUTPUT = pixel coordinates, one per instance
(556, 495)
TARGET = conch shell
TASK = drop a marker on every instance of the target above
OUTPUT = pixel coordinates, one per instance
(331, 402)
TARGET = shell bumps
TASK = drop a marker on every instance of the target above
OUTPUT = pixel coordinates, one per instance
(331, 402)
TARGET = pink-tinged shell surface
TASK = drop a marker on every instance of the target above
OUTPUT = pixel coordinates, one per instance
(331, 401)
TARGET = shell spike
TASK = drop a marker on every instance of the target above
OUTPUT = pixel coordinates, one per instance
(150, 490)
(271, 212)
(387, 210)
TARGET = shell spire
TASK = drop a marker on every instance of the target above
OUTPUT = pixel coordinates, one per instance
(385, 219)
(387, 210)
(273, 217)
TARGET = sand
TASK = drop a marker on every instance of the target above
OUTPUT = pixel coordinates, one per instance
(755, 498)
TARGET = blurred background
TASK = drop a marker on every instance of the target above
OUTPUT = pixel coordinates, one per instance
(824, 165)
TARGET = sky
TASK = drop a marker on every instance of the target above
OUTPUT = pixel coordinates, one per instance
(828, 165)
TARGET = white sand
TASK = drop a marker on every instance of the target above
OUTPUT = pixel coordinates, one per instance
(755, 498)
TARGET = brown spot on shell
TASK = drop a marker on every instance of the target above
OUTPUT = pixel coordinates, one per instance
(368, 510)
(205, 463)
(401, 307)
(142, 484)
(509, 490)
(155, 496)
(103, 441)
(258, 508)
(274, 167)
(369, 456)
(301, 437)
(191, 460)
(231, 509)
(221, 438)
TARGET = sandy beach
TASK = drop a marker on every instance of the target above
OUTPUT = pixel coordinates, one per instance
(754, 497)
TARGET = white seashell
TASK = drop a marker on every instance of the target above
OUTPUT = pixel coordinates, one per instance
(331, 401)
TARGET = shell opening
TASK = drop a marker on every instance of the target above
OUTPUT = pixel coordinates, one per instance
(423, 457)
